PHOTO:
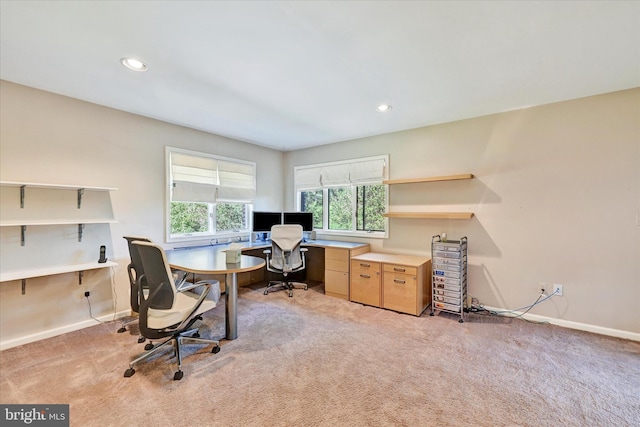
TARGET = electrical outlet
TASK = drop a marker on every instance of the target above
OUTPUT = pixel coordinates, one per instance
(87, 293)
(542, 288)
(557, 289)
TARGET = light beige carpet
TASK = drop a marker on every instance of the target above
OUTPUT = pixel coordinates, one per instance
(313, 360)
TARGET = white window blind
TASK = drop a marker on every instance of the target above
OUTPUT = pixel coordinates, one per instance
(372, 169)
(193, 178)
(237, 182)
(335, 175)
(308, 177)
(200, 178)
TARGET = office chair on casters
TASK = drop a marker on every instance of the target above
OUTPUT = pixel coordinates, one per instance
(170, 310)
(285, 256)
(134, 269)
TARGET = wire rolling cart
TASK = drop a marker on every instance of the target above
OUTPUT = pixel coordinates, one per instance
(449, 275)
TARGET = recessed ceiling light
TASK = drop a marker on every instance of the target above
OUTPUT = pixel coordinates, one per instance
(134, 64)
(382, 108)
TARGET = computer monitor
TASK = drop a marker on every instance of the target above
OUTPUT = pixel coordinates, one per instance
(305, 219)
(263, 221)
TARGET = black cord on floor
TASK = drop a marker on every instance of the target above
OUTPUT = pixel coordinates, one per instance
(511, 314)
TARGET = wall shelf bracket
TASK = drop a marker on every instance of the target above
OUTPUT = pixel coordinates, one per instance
(80, 229)
(80, 276)
(22, 196)
(23, 230)
(80, 193)
(24, 286)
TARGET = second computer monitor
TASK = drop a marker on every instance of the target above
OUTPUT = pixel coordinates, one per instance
(305, 219)
(263, 221)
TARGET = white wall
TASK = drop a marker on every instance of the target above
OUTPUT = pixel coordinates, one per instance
(54, 139)
(556, 199)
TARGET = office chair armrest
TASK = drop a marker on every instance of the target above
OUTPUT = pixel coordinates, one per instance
(187, 286)
(179, 277)
(304, 249)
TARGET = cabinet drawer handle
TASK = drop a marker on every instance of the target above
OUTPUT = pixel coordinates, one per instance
(401, 270)
(365, 276)
(365, 265)
(402, 282)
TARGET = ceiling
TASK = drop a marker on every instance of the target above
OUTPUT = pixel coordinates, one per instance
(296, 74)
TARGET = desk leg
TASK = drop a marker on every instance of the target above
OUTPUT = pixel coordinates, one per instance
(231, 307)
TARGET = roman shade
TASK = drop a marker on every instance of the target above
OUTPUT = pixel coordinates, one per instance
(209, 179)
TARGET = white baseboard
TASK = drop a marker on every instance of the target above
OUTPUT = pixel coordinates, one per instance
(4, 345)
(576, 325)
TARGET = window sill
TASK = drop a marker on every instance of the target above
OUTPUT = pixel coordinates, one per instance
(211, 239)
(356, 234)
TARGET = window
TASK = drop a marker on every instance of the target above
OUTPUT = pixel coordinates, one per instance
(339, 206)
(370, 206)
(345, 197)
(311, 201)
(208, 196)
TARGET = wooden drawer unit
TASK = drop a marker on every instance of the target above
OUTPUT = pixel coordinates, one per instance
(336, 284)
(336, 268)
(400, 290)
(365, 282)
(336, 272)
(403, 285)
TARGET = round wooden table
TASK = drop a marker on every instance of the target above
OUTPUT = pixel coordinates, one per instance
(212, 260)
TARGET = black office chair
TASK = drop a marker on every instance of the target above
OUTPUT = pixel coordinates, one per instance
(285, 257)
(170, 310)
(134, 269)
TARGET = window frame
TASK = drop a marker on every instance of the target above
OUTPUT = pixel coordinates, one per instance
(312, 186)
(212, 235)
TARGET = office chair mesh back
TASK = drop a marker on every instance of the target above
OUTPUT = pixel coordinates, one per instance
(134, 269)
(158, 277)
(285, 256)
(286, 240)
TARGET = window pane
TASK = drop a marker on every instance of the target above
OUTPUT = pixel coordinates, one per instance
(370, 207)
(231, 217)
(340, 214)
(311, 201)
(189, 218)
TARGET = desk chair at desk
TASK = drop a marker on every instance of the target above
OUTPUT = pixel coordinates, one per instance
(285, 256)
(169, 311)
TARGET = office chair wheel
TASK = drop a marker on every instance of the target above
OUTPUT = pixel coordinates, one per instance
(141, 340)
(460, 321)
(432, 314)
(178, 375)
(129, 372)
(195, 335)
(290, 294)
(122, 330)
(148, 346)
(215, 349)
(266, 292)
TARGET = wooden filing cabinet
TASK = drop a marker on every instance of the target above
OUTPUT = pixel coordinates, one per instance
(400, 288)
(336, 268)
(403, 282)
(365, 282)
